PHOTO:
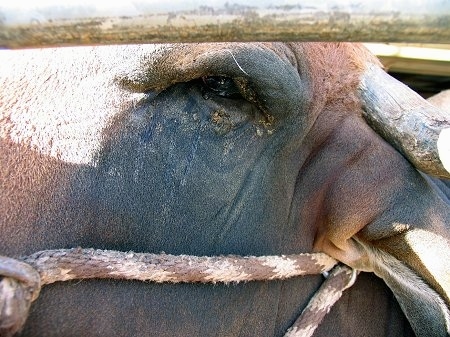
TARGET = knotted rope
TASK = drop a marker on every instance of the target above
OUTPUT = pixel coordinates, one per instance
(22, 279)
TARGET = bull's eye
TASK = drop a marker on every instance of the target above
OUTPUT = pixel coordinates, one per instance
(221, 86)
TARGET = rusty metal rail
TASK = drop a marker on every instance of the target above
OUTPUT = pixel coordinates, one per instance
(25, 24)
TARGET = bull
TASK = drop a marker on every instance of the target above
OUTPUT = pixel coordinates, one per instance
(216, 149)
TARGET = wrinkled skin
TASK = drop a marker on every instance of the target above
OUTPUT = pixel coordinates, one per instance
(127, 148)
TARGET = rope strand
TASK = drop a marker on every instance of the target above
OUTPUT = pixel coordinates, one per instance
(21, 280)
(71, 264)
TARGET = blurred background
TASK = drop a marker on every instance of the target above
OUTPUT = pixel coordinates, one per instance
(423, 67)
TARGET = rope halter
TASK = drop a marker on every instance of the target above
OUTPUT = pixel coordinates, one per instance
(22, 279)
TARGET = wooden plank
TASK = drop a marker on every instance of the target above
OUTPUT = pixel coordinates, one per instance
(25, 24)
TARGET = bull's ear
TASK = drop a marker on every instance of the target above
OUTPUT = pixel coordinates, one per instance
(425, 309)
(417, 129)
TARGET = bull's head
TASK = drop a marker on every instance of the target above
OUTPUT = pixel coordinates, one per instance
(245, 149)
(283, 94)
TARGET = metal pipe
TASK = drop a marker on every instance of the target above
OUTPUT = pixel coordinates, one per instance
(45, 23)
